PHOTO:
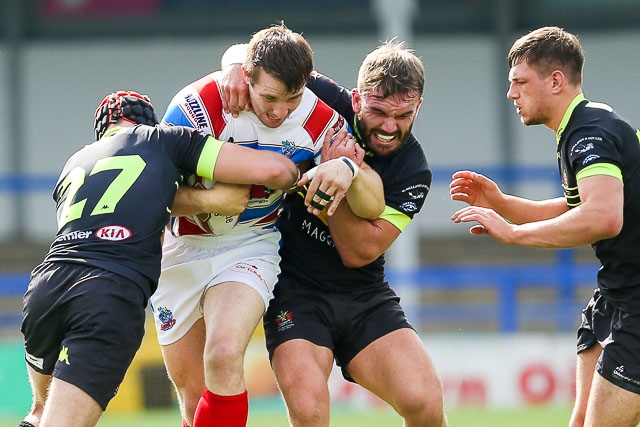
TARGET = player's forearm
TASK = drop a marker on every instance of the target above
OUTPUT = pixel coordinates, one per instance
(519, 210)
(593, 220)
(358, 241)
(558, 233)
(188, 201)
(223, 201)
(242, 165)
(278, 171)
(366, 194)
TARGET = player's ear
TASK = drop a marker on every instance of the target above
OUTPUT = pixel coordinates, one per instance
(418, 108)
(245, 76)
(558, 80)
(356, 100)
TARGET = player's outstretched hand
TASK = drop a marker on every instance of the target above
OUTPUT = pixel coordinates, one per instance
(475, 189)
(489, 222)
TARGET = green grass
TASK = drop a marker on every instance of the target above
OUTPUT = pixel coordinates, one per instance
(547, 416)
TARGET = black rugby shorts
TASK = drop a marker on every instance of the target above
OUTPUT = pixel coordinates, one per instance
(82, 325)
(619, 335)
(345, 322)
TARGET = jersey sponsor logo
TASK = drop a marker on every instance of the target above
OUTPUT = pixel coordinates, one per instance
(620, 374)
(166, 318)
(409, 207)
(590, 158)
(416, 187)
(338, 125)
(251, 270)
(74, 235)
(207, 91)
(317, 234)
(416, 194)
(113, 233)
(195, 111)
(585, 144)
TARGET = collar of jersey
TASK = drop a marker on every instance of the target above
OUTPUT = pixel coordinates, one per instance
(111, 132)
(567, 115)
(359, 138)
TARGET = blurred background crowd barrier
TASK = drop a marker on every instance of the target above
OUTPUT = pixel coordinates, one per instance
(499, 321)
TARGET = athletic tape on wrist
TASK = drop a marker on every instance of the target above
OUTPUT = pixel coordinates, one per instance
(352, 165)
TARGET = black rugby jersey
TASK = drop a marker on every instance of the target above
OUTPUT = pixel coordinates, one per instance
(114, 197)
(308, 253)
(593, 139)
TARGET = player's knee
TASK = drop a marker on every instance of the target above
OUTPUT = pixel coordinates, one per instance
(191, 395)
(185, 380)
(427, 406)
(305, 409)
(315, 387)
(222, 354)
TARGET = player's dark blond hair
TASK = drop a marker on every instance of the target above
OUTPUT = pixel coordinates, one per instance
(392, 69)
(283, 54)
(547, 49)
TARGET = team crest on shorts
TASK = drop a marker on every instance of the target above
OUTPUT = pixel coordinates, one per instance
(166, 317)
(284, 320)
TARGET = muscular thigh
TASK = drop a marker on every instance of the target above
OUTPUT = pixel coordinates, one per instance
(610, 405)
(184, 358)
(371, 316)
(298, 361)
(232, 311)
(395, 362)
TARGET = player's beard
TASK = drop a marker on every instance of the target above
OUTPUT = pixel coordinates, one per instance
(379, 148)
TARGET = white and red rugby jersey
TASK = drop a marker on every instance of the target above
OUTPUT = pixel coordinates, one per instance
(300, 137)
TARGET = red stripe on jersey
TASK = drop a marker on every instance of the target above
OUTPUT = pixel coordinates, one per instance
(187, 227)
(269, 219)
(209, 92)
(316, 123)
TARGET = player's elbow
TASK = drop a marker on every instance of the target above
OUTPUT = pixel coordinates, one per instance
(357, 259)
(281, 174)
(369, 211)
(353, 262)
(611, 226)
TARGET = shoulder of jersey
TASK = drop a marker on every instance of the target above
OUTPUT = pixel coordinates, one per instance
(315, 116)
(201, 104)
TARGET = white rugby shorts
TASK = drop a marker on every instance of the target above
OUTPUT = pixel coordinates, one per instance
(192, 264)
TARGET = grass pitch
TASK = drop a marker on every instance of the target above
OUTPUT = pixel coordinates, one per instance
(547, 416)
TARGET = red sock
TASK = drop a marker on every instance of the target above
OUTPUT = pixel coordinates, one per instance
(222, 411)
(184, 423)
